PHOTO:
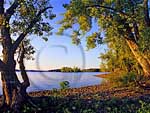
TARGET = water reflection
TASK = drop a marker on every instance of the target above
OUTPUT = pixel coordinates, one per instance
(49, 80)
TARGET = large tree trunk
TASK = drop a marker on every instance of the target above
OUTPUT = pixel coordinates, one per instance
(10, 84)
(142, 60)
(14, 92)
(9, 78)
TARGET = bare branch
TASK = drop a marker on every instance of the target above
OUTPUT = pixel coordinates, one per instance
(32, 23)
(18, 41)
(11, 10)
(110, 8)
(24, 75)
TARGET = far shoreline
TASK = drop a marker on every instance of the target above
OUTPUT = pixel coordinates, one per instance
(60, 70)
(103, 75)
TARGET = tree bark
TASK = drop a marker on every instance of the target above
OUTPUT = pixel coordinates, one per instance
(146, 13)
(24, 75)
(14, 92)
(10, 82)
(8, 76)
(142, 60)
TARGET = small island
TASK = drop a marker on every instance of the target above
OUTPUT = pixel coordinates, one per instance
(75, 69)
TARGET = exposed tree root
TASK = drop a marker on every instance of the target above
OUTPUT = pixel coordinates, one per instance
(22, 96)
(144, 83)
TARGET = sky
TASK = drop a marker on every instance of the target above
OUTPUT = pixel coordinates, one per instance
(59, 51)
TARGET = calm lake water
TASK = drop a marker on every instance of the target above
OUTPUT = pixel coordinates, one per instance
(50, 80)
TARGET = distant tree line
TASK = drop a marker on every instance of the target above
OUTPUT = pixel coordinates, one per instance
(91, 70)
(69, 69)
(77, 69)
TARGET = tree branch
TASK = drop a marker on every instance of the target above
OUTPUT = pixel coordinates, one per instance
(1, 7)
(110, 8)
(11, 10)
(32, 23)
(24, 75)
(146, 13)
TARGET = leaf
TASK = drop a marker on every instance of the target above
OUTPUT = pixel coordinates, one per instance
(45, 39)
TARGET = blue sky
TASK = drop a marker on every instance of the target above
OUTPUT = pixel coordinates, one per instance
(59, 51)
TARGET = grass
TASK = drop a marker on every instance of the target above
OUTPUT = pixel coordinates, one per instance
(106, 101)
(113, 105)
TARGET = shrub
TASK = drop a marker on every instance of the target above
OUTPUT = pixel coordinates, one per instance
(145, 107)
(64, 85)
(124, 79)
(128, 79)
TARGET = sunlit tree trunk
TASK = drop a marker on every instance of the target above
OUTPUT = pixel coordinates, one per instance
(142, 60)
(14, 92)
(132, 39)
(10, 84)
(8, 76)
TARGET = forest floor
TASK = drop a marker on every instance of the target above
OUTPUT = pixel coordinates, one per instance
(91, 99)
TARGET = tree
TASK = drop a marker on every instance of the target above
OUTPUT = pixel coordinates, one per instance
(18, 19)
(76, 69)
(25, 51)
(118, 57)
(129, 20)
(70, 69)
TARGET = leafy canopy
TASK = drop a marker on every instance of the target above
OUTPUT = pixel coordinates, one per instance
(113, 17)
(21, 14)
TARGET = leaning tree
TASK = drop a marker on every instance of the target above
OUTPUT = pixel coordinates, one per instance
(128, 20)
(19, 19)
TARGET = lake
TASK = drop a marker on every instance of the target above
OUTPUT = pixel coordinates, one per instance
(50, 80)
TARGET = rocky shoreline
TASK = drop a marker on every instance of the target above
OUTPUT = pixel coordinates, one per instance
(96, 99)
(103, 91)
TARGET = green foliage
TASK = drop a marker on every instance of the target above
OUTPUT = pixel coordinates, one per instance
(69, 69)
(145, 107)
(27, 109)
(66, 69)
(65, 104)
(114, 18)
(76, 69)
(28, 49)
(118, 56)
(91, 70)
(26, 13)
(75, 39)
(88, 111)
(93, 40)
(128, 79)
(144, 41)
(113, 105)
(123, 79)
(64, 85)
(83, 11)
